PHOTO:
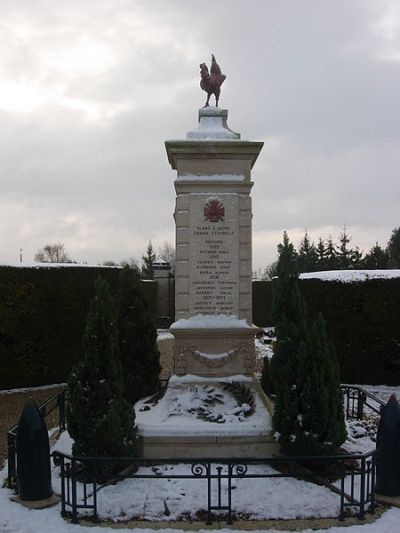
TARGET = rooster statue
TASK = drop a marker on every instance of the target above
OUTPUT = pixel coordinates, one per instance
(211, 81)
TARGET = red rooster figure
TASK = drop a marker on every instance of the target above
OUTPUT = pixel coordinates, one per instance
(211, 82)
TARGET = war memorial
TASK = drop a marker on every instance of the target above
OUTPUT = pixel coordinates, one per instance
(213, 405)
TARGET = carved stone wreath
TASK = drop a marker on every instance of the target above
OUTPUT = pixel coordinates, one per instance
(217, 360)
(184, 350)
(242, 395)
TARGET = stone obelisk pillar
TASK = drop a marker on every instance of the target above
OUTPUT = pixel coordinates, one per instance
(213, 330)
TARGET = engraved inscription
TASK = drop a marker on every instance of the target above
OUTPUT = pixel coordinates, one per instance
(214, 255)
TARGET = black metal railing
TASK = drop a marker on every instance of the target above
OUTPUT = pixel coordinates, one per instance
(80, 475)
(57, 401)
(357, 402)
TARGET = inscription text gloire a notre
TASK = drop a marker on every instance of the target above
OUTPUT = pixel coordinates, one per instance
(214, 284)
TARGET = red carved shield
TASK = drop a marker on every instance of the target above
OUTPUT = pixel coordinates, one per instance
(214, 211)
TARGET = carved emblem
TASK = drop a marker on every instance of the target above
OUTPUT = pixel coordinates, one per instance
(214, 210)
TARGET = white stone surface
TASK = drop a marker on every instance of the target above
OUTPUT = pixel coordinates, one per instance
(213, 125)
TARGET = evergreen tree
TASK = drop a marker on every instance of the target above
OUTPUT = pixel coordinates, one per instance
(147, 262)
(331, 256)
(321, 252)
(348, 258)
(137, 339)
(308, 417)
(344, 253)
(307, 256)
(287, 257)
(393, 249)
(270, 271)
(376, 258)
(357, 258)
(100, 420)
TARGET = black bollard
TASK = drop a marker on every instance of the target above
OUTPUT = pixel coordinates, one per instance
(33, 455)
(388, 448)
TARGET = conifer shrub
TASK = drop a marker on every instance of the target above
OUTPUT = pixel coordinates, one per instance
(137, 339)
(308, 417)
(100, 420)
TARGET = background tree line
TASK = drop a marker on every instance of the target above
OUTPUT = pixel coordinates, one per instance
(327, 255)
(57, 253)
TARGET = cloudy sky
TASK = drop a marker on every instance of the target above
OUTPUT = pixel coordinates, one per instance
(91, 89)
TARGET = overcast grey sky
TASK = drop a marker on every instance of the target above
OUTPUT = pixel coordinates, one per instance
(89, 91)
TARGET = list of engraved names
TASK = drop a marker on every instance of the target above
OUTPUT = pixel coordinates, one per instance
(214, 259)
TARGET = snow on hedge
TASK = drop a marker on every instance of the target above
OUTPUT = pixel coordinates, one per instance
(35, 264)
(349, 276)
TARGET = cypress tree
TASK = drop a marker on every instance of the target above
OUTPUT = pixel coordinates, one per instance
(308, 417)
(100, 420)
(137, 339)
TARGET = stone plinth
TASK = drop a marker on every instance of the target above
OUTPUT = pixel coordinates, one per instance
(179, 426)
(213, 345)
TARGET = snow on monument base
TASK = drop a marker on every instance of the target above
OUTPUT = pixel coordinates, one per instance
(207, 417)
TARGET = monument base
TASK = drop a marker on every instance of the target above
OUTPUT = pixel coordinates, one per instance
(207, 417)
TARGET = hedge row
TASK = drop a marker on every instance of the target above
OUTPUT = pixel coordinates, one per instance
(43, 318)
(363, 320)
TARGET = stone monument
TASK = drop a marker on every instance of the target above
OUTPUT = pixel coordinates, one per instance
(214, 405)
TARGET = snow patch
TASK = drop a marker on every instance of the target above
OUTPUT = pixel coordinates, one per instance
(210, 322)
(351, 276)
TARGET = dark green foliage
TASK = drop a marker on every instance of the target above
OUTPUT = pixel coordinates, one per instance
(137, 339)
(319, 427)
(287, 258)
(42, 320)
(347, 258)
(376, 258)
(308, 257)
(364, 324)
(362, 320)
(262, 302)
(266, 380)
(331, 259)
(321, 252)
(393, 249)
(147, 262)
(100, 420)
(308, 414)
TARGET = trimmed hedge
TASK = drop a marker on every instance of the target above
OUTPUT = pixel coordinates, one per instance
(363, 321)
(42, 320)
(262, 303)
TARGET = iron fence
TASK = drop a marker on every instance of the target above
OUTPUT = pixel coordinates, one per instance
(57, 401)
(350, 469)
(355, 479)
(357, 400)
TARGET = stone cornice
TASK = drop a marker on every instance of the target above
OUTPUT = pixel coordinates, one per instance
(213, 149)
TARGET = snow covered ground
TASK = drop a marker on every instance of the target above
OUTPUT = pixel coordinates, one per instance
(278, 499)
(282, 498)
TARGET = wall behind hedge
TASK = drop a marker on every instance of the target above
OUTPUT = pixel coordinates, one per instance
(43, 318)
(363, 320)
